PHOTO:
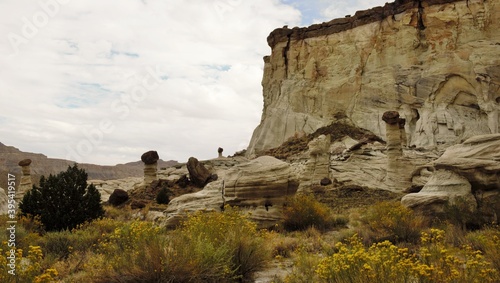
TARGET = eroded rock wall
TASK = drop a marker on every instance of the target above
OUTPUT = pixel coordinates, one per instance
(436, 62)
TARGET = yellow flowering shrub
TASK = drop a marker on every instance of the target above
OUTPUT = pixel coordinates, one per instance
(382, 262)
(304, 211)
(134, 250)
(27, 269)
(224, 245)
(392, 220)
(433, 261)
(207, 247)
(487, 241)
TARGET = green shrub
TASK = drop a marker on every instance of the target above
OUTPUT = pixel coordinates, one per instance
(304, 267)
(63, 201)
(132, 252)
(487, 241)
(58, 244)
(207, 247)
(163, 196)
(392, 221)
(223, 246)
(304, 211)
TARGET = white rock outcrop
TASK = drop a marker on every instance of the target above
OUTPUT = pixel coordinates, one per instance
(260, 186)
(317, 166)
(436, 62)
(469, 170)
(444, 187)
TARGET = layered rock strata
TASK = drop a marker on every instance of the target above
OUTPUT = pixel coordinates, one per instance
(4, 202)
(437, 62)
(398, 175)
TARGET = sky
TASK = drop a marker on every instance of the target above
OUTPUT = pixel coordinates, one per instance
(102, 82)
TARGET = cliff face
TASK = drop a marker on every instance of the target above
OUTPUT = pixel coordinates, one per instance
(437, 62)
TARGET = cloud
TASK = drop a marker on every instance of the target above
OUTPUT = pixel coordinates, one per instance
(104, 81)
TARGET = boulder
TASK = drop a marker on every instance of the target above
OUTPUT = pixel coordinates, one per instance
(150, 157)
(118, 197)
(325, 181)
(198, 173)
(24, 162)
(391, 117)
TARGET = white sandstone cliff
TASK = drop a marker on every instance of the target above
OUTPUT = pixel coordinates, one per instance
(437, 62)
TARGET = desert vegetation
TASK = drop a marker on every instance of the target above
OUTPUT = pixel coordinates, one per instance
(380, 242)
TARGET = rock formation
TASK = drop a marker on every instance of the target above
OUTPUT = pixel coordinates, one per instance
(397, 174)
(198, 173)
(3, 202)
(470, 169)
(259, 186)
(25, 184)
(437, 62)
(150, 160)
(477, 159)
(318, 164)
(392, 134)
(219, 151)
(444, 187)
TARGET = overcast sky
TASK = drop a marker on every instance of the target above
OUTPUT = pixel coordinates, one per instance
(102, 82)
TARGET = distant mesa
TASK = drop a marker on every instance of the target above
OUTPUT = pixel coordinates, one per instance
(150, 157)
